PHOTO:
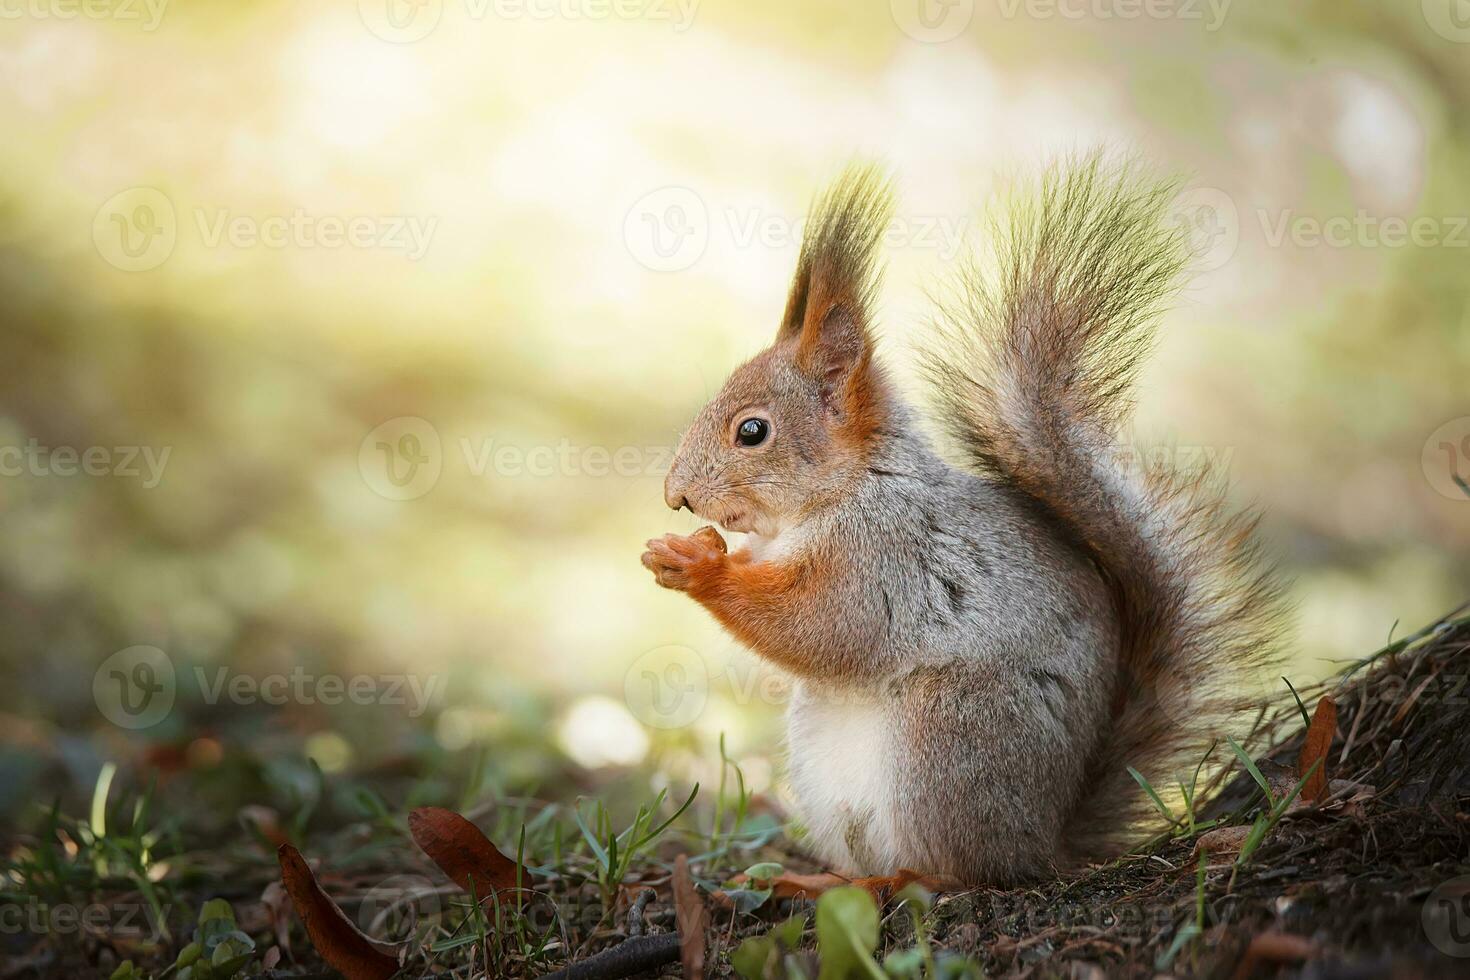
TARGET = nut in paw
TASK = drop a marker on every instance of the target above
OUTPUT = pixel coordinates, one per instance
(677, 560)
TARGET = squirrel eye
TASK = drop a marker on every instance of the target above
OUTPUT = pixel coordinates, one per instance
(752, 432)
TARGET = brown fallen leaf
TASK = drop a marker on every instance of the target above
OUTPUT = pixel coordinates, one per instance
(884, 887)
(792, 885)
(692, 919)
(338, 941)
(462, 852)
(1221, 840)
(1314, 749)
(881, 887)
(1273, 947)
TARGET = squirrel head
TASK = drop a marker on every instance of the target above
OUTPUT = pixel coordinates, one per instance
(792, 429)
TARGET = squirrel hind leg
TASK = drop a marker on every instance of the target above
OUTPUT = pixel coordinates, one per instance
(986, 775)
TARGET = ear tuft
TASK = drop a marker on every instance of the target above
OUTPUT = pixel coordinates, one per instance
(836, 274)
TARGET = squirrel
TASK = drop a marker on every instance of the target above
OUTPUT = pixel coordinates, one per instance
(981, 650)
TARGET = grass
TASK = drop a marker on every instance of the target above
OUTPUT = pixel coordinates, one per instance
(155, 869)
(617, 853)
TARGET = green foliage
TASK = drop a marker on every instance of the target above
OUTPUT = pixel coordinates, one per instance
(1184, 824)
(1268, 818)
(1190, 930)
(1250, 767)
(117, 846)
(718, 836)
(760, 957)
(847, 934)
(922, 962)
(756, 890)
(219, 950)
(616, 853)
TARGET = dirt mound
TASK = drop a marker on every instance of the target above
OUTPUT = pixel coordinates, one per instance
(1373, 881)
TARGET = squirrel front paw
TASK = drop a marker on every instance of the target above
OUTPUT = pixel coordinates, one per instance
(677, 561)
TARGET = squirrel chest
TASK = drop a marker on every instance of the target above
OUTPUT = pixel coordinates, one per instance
(841, 756)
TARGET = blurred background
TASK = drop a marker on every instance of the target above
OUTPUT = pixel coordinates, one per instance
(342, 344)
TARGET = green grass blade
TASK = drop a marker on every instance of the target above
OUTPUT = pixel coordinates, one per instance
(1154, 796)
(98, 820)
(1306, 719)
(1250, 767)
(677, 814)
(597, 849)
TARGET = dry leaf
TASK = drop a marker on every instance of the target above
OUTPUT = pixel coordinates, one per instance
(692, 918)
(277, 906)
(338, 941)
(885, 886)
(461, 851)
(1221, 840)
(1273, 947)
(880, 886)
(1314, 749)
(794, 885)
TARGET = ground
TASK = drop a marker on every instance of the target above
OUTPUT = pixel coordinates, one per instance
(1372, 879)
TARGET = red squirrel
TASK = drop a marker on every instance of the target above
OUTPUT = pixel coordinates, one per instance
(980, 651)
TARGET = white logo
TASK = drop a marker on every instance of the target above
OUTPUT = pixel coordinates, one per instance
(1209, 223)
(932, 21)
(136, 229)
(667, 230)
(1447, 459)
(393, 909)
(1446, 917)
(667, 687)
(401, 459)
(401, 21)
(135, 687)
(1450, 19)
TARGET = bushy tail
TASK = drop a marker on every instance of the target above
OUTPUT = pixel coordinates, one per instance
(1034, 378)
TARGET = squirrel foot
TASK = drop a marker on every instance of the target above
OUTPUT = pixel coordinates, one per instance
(678, 561)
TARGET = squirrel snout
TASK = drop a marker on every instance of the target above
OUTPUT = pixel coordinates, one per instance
(674, 496)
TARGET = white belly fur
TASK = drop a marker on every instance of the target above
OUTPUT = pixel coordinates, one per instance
(841, 764)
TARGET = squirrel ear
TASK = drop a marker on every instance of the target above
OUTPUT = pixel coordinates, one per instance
(833, 349)
(827, 312)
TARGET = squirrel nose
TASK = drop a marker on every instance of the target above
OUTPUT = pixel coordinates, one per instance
(674, 493)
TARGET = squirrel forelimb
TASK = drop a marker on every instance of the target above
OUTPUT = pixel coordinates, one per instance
(773, 606)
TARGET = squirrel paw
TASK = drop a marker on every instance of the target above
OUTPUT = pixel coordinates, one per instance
(677, 560)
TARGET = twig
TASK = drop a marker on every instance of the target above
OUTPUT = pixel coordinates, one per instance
(635, 911)
(629, 958)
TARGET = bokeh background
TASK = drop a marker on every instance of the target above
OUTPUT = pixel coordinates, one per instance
(343, 343)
